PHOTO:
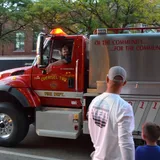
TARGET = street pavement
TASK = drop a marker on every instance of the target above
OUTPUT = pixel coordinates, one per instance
(34, 147)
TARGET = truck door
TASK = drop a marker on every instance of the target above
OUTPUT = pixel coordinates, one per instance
(55, 81)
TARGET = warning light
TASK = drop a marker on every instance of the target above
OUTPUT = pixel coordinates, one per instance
(100, 31)
(58, 31)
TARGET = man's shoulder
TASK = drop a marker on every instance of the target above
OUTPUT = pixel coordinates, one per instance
(98, 98)
(124, 106)
(124, 102)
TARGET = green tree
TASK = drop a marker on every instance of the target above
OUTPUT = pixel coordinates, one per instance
(12, 17)
(48, 13)
(69, 15)
(120, 13)
(83, 16)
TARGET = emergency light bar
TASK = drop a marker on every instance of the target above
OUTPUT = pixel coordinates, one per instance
(58, 31)
(101, 31)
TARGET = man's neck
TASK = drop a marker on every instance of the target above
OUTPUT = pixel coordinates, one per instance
(113, 90)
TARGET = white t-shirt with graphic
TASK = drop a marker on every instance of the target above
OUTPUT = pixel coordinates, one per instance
(111, 123)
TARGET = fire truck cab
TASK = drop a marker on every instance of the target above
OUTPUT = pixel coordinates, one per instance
(60, 87)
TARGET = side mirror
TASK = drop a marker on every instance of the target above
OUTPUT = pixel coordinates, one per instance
(40, 50)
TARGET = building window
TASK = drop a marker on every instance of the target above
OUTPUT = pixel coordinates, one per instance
(19, 42)
(35, 35)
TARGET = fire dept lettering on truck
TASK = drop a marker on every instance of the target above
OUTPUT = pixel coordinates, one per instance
(58, 94)
(43, 93)
(54, 77)
(48, 94)
(63, 78)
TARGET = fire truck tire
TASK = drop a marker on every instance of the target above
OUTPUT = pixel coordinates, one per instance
(13, 125)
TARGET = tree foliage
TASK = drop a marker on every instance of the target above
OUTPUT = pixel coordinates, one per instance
(77, 16)
(12, 17)
(86, 15)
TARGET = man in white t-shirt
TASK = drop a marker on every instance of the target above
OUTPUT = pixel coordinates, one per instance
(111, 121)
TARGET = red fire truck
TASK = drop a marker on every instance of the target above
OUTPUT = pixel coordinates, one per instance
(56, 98)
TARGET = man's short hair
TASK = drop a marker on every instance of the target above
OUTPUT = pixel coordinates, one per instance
(117, 71)
(151, 131)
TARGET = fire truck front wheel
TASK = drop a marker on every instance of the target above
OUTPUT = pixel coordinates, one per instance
(13, 125)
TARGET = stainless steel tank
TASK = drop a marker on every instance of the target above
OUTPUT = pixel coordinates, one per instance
(138, 53)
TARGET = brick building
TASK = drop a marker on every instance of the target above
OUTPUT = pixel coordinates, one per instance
(20, 52)
(24, 44)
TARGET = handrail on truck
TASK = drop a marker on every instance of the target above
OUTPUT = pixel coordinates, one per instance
(117, 30)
